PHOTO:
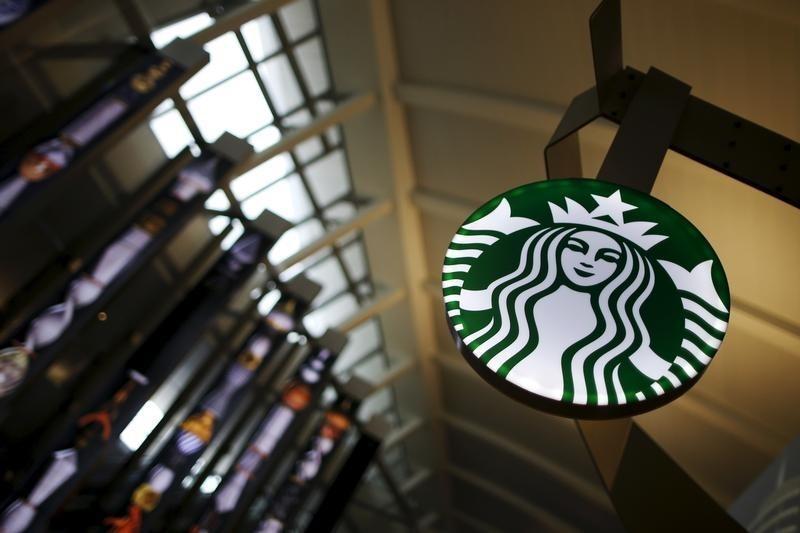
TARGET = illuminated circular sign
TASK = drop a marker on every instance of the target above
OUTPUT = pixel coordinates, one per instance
(584, 298)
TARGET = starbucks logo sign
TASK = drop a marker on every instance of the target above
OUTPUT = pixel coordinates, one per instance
(585, 298)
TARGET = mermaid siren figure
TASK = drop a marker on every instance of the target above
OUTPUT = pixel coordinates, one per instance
(584, 308)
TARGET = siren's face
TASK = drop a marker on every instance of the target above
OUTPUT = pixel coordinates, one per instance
(590, 258)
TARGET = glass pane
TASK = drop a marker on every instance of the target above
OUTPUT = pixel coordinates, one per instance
(236, 106)
(261, 176)
(265, 138)
(294, 239)
(164, 106)
(298, 19)
(218, 200)
(376, 403)
(233, 236)
(365, 289)
(281, 84)
(327, 178)
(226, 59)
(361, 341)
(286, 198)
(298, 119)
(329, 275)
(260, 37)
(340, 211)
(372, 368)
(301, 266)
(331, 315)
(309, 149)
(355, 260)
(333, 134)
(185, 28)
(323, 106)
(171, 132)
(218, 224)
(311, 59)
(268, 301)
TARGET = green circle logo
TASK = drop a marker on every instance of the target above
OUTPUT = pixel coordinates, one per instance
(585, 298)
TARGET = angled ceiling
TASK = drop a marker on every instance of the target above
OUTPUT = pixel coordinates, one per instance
(479, 88)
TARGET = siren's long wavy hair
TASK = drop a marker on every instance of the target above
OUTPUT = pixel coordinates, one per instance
(591, 365)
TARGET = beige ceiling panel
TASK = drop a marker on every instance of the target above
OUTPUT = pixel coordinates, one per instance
(740, 55)
(473, 159)
(515, 47)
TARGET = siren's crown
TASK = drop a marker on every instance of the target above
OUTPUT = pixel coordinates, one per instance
(613, 207)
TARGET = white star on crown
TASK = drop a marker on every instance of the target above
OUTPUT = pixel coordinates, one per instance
(613, 207)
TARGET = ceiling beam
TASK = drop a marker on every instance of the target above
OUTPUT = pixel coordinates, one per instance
(409, 225)
(442, 205)
(537, 115)
(530, 114)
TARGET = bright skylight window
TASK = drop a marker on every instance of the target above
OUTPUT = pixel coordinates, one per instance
(353, 256)
(233, 236)
(268, 301)
(340, 211)
(261, 176)
(171, 132)
(309, 149)
(218, 224)
(286, 198)
(294, 239)
(298, 119)
(260, 37)
(298, 19)
(319, 320)
(166, 105)
(226, 59)
(311, 59)
(184, 28)
(263, 139)
(235, 106)
(281, 84)
(329, 275)
(218, 200)
(327, 177)
(361, 341)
